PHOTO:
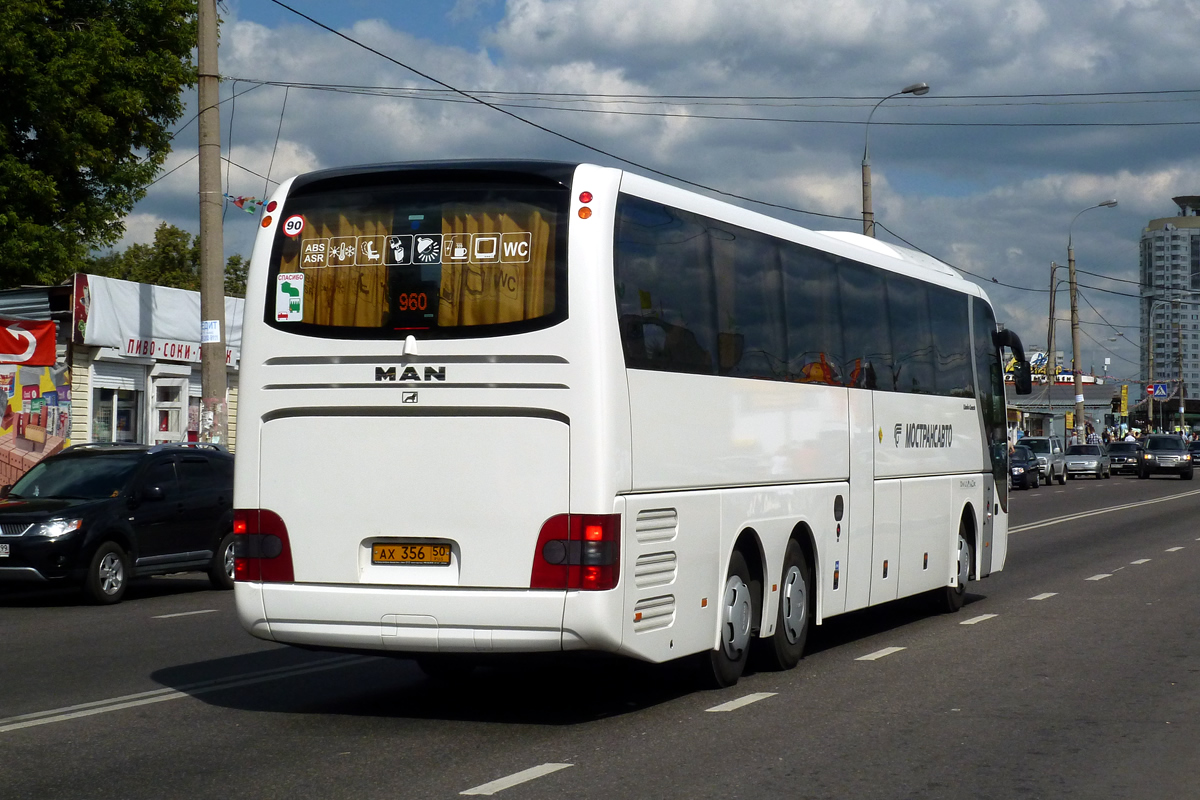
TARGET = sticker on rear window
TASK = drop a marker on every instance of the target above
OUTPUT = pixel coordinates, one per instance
(289, 297)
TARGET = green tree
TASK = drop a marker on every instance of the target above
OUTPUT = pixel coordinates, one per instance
(236, 269)
(90, 88)
(172, 260)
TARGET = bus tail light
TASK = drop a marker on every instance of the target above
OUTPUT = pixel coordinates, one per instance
(578, 551)
(261, 550)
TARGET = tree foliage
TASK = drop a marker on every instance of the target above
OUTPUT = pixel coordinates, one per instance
(173, 260)
(90, 88)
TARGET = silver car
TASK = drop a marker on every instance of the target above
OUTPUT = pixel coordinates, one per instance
(1049, 452)
(1088, 459)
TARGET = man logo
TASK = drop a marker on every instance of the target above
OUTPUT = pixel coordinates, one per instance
(410, 374)
(898, 432)
(408, 397)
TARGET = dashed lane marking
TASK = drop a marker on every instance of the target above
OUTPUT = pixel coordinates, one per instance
(1140, 561)
(161, 695)
(1173, 549)
(185, 614)
(524, 776)
(1056, 520)
(742, 701)
(976, 620)
(1043, 596)
(1100, 577)
(878, 654)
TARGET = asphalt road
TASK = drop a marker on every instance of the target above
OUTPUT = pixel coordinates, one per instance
(1073, 673)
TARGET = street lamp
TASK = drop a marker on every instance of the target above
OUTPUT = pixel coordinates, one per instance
(917, 89)
(1079, 426)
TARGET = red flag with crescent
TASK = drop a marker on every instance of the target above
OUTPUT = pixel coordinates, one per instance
(26, 342)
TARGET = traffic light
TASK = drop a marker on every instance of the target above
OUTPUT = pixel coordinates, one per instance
(1116, 404)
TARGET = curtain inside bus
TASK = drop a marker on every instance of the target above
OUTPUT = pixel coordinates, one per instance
(389, 260)
(485, 294)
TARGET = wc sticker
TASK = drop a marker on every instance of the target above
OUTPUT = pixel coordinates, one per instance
(289, 297)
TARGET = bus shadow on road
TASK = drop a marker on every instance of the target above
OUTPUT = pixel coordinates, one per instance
(558, 689)
(855, 626)
(537, 690)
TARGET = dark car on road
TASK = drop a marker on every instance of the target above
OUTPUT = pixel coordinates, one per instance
(98, 515)
(1125, 456)
(1165, 453)
(1024, 468)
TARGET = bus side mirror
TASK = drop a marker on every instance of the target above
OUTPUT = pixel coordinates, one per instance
(4, 490)
(1022, 379)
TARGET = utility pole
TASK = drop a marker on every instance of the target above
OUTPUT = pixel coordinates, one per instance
(1150, 394)
(1080, 432)
(214, 414)
(1051, 362)
(1179, 346)
(1051, 365)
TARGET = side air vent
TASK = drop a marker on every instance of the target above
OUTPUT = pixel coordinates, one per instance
(654, 569)
(656, 525)
(654, 614)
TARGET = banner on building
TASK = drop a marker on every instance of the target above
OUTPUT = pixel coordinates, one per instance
(27, 342)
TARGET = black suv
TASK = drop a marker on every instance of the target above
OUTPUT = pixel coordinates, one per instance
(1165, 453)
(97, 515)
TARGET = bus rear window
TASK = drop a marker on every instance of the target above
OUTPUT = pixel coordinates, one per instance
(432, 258)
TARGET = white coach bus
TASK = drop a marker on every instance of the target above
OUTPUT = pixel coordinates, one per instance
(494, 407)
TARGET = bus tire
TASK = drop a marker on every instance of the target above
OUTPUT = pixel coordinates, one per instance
(723, 666)
(952, 597)
(785, 648)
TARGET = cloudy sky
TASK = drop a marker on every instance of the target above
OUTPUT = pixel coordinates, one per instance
(1038, 109)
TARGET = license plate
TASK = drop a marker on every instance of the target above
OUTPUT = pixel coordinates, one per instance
(424, 553)
(4, 550)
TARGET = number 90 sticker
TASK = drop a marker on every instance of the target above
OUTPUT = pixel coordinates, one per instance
(293, 225)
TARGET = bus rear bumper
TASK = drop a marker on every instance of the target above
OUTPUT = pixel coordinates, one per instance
(410, 620)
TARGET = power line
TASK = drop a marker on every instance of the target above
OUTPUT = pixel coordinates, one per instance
(864, 99)
(496, 102)
(551, 131)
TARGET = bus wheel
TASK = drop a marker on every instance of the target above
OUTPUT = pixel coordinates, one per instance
(784, 649)
(726, 663)
(953, 596)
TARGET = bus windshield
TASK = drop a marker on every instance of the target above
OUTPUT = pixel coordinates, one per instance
(431, 258)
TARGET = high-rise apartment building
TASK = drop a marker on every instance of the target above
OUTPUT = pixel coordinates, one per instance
(1170, 290)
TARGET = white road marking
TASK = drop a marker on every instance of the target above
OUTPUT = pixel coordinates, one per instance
(1140, 561)
(1043, 596)
(1172, 549)
(185, 614)
(523, 776)
(161, 695)
(976, 620)
(878, 654)
(742, 701)
(1056, 520)
(1100, 577)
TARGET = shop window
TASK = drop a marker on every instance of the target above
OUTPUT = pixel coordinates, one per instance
(116, 415)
